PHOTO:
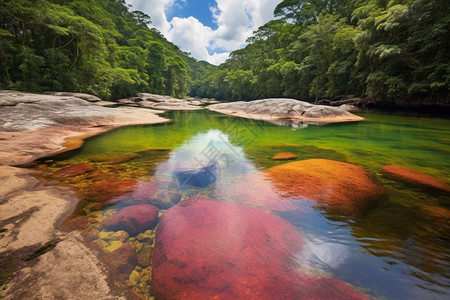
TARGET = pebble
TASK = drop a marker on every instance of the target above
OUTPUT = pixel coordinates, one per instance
(105, 235)
(120, 236)
(114, 245)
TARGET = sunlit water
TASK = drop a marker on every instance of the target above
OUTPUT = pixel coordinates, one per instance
(394, 250)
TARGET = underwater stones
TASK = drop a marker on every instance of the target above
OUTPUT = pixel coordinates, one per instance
(113, 159)
(106, 190)
(120, 236)
(144, 257)
(121, 260)
(416, 178)
(145, 189)
(113, 245)
(75, 170)
(341, 187)
(133, 219)
(284, 156)
(223, 250)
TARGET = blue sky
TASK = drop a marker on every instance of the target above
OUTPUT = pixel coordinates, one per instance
(200, 9)
(208, 29)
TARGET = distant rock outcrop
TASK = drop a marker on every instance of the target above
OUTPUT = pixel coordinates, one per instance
(166, 102)
(276, 110)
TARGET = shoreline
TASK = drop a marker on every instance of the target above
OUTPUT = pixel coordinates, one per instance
(32, 214)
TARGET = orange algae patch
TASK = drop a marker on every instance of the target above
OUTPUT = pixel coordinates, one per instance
(284, 156)
(343, 187)
(414, 177)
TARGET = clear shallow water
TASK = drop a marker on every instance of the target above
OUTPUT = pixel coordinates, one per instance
(395, 250)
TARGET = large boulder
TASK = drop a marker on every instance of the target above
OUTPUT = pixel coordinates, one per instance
(25, 111)
(339, 187)
(133, 219)
(285, 109)
(220, 250)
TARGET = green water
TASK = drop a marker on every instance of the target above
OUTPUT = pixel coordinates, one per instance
(393, 251)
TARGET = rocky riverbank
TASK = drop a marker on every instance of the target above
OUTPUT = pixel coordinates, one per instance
(33, 126)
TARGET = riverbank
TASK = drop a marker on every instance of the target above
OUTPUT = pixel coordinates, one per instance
(38, 258)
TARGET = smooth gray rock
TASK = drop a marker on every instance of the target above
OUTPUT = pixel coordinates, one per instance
(26, 111)
(276, 109)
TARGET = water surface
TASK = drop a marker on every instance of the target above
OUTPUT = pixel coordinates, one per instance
(394, 250)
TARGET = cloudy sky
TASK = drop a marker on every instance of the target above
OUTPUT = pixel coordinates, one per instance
(208, 29)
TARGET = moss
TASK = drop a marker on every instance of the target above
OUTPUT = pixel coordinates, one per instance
(42, 250)
(4, 278)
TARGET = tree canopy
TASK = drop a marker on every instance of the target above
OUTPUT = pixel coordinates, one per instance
(385, 50)
(93, 46)
(380, 49)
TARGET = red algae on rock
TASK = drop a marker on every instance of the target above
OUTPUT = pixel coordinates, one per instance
(133, 219)
(75, 170)
(341, 187)
(106, 190)
(221, 250)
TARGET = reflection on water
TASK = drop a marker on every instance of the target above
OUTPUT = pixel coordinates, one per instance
(397, 248)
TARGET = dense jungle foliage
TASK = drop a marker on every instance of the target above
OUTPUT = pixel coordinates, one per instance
(92, 46)
(379, 49)
(397, 50)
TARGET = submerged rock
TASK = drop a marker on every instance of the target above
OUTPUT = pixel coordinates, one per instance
(437, 213)
(285, 109)
(113, 159)
(133, 219)
(341, 187)
(284, 156)
(104, 191)
(121, 260)
(219, 250)
(336, 186)
(74, 170)
(416, 178)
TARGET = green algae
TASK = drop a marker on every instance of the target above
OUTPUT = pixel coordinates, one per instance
(42, 250)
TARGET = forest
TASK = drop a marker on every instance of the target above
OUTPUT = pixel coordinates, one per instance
(382, 50)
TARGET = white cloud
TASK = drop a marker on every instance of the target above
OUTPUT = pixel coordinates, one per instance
(236, 20)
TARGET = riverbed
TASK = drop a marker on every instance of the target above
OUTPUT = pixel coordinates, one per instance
(399, 248)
